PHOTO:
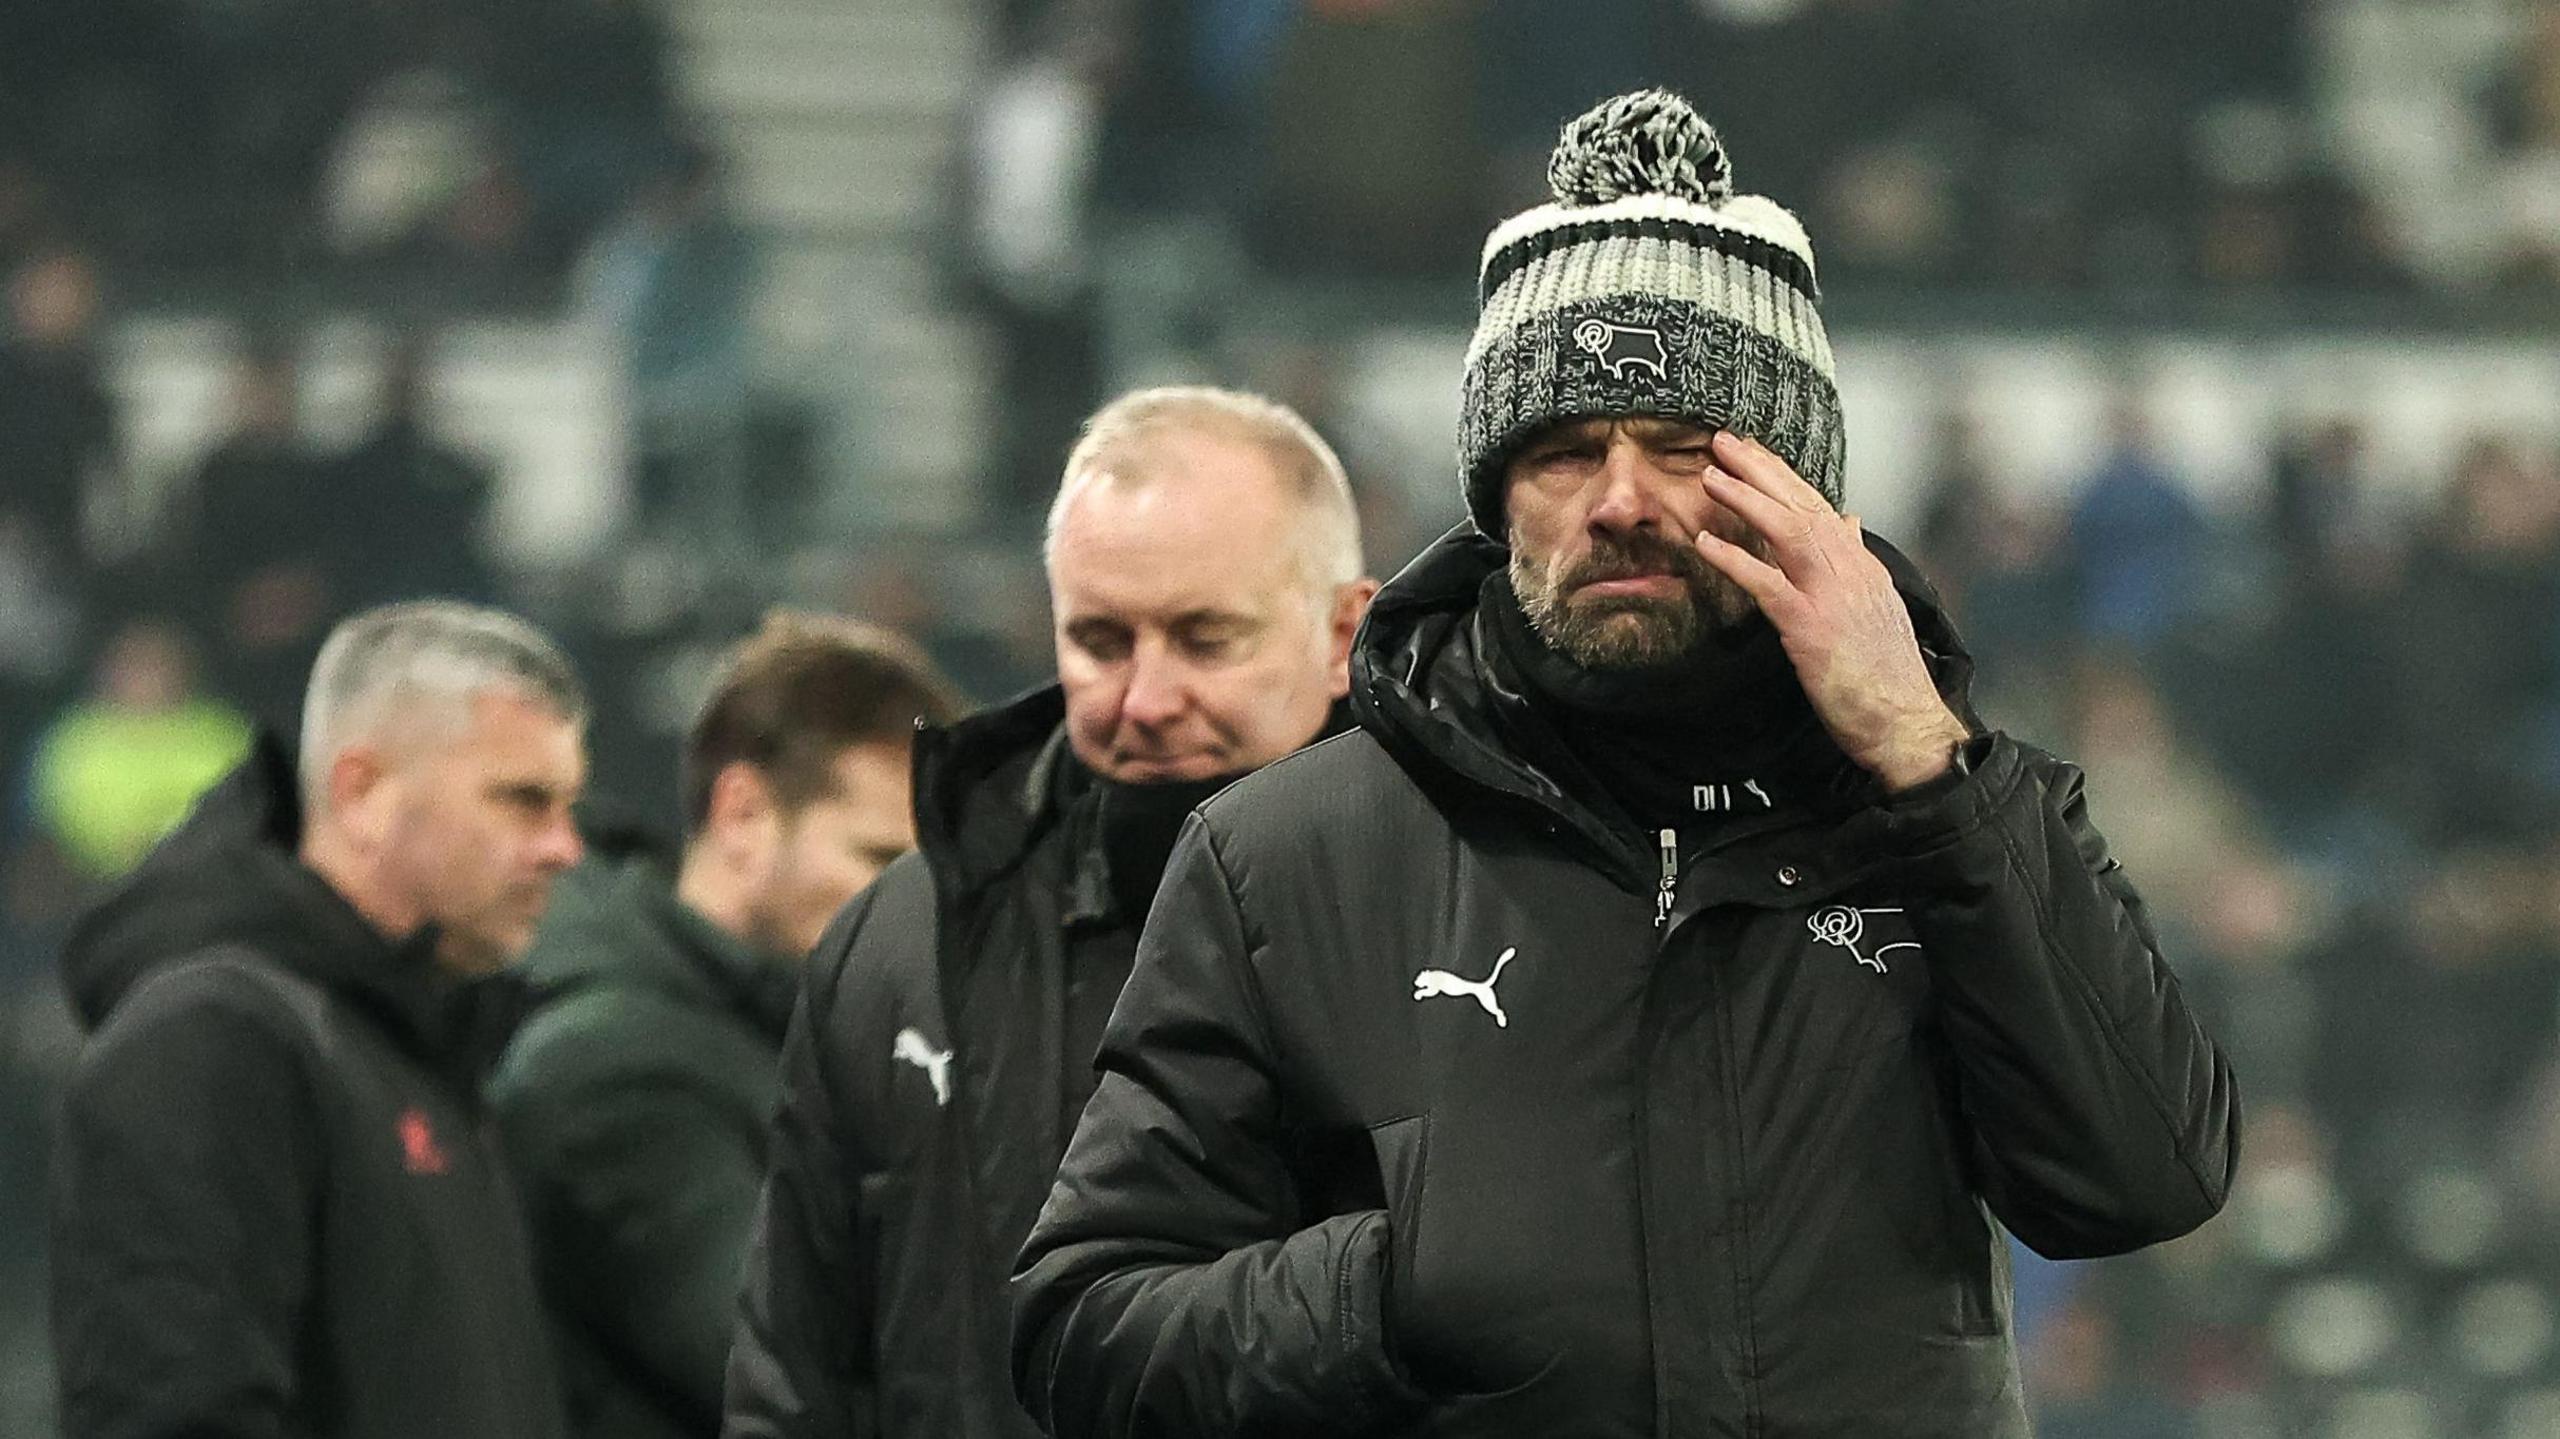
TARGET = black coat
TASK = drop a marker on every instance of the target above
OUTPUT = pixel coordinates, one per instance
(1736, 1172)
(279, 1209)
(904, 1179)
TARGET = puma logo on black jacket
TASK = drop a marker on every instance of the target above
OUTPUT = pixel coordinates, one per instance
(1737, 1172)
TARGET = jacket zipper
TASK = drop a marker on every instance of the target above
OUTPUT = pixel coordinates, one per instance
(1665, 900)
(1670, 888)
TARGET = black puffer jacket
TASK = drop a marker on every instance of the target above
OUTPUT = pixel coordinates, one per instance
(279, 1209)
(1416, 1120)
(941, 1051)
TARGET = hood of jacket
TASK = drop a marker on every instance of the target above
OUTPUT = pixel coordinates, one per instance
(231, 876)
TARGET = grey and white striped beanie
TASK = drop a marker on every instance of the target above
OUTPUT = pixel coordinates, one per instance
(1647, 288)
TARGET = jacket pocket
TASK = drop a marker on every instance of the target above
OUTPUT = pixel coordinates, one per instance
(1455, 1404)
(914, 1270)
(1401, 1146)
(1976, 1248)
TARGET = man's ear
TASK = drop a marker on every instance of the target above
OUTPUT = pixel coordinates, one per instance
(742, 814)
(362, 792)
(1350, 605)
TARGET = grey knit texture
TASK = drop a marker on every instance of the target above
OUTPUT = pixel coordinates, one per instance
(1647, 143)
(1648, 288)
(1714, 371)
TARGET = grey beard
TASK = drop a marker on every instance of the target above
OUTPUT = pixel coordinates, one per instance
(1628, 635)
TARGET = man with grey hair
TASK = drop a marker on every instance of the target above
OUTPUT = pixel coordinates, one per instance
(1205, 577)
(278, 1208)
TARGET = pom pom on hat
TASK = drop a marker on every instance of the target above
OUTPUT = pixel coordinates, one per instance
(1647, 143)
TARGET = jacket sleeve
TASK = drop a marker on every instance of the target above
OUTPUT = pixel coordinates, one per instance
(2103, 1117)
(800, 1354)
(1171, 1285)
(642, 1189)
(184, 1207)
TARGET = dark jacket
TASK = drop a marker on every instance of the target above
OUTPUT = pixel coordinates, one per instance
(279, 1208)
(942, 1048)
(636, 1102)
(1735, 1172)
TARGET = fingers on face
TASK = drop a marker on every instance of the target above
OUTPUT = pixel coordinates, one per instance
(1788, 530)
(1758, 465)
(1764, 582)
(1798, 524)
(1807, 552)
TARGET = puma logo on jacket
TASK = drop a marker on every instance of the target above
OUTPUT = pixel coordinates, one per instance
(1737, 1172)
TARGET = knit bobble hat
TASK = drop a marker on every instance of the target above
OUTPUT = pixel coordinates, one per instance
(1647, 287)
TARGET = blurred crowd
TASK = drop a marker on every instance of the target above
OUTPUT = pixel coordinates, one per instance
(2327, 739)
(2078, 146)
(1146, 178)
(238, 144)
(2326, 736)
(2326, 730)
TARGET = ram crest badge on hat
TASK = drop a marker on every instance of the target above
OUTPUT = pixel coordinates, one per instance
(1619, 347)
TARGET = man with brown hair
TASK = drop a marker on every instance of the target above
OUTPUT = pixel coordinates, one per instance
(636, 1098)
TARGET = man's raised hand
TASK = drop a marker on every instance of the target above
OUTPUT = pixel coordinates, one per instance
(1844, 626)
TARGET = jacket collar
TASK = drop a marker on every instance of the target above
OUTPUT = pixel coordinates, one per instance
(987, 787)
(617, 919)
(992, 786)
(760, 987)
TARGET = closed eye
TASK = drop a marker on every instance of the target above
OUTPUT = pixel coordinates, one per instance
(1577, 452)
(536, 799)
(1104, 641)
(1212, 636)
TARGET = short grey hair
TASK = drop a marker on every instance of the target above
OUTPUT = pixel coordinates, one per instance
(423, 661)
(1116, 436)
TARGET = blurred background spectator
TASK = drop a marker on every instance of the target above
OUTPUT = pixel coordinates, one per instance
(2201, 354)
(258, 499)
(57, 424)
(404, 507)
(669, 282)
(121, 767)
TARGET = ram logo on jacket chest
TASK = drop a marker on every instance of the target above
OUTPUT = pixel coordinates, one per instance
(1845, 927)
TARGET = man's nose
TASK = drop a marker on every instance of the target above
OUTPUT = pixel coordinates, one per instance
(1158, 687)
(1628, 500)
(561, 847)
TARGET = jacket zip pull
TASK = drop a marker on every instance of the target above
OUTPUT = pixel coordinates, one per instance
(1670, 878)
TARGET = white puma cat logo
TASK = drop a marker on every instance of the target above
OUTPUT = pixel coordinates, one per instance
(915, 1049)
(1434, 982)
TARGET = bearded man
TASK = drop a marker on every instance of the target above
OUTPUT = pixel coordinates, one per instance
(1647, 1021)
